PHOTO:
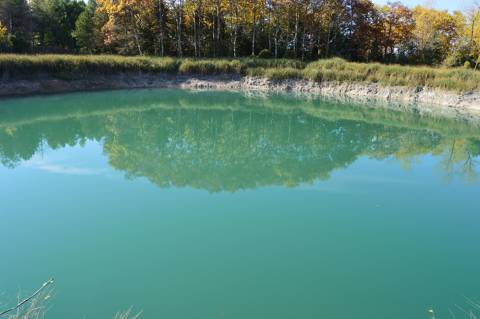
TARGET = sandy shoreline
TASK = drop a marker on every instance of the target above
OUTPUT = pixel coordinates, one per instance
(427, 101)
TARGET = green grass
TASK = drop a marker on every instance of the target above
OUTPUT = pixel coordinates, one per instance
(208, 67)
(283, 73)
(78, 66)
(272, 63)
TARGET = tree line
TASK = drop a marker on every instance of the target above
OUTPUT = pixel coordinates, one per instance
(356, 30)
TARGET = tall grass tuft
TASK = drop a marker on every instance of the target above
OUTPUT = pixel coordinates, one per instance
(283, 73)
(209, 67)
(451, 79)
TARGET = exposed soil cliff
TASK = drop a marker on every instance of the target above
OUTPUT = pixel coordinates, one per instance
(423, 100)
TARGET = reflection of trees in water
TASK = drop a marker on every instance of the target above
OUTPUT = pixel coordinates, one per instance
(21, 143)
(460, 156)
(225, 149)
(230, 150)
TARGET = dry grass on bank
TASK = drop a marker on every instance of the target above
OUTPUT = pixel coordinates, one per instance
(454, 79)
(78, 66)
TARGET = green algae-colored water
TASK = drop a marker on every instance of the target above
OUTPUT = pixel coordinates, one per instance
(223, 205)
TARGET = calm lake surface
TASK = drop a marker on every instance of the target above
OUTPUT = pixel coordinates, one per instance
(222, 205)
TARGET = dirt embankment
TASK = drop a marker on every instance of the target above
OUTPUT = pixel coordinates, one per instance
(422, 99)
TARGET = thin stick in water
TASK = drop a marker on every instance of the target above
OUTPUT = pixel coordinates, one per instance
(21, 303)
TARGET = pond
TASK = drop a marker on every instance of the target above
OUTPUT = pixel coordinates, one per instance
(212, 204)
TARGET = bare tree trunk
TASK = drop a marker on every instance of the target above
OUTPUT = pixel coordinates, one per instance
(178, 28)
(327, 45)
(137, 41)
(214, 37)
(135, 31)
(319, 48)
(295, 37)
(125, 36)
(303, 44)
(195, 44)
(179, 38)
(161, 24)
(287, 31)
(270, 8)
(218, 27)
(234, 6)
(196, 28)
(472, 31)
(254, 27)
(275, 39)
(235, 42)
(215, 28)
(387, 40)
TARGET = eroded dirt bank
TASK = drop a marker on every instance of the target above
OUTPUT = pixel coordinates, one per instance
(421, 99)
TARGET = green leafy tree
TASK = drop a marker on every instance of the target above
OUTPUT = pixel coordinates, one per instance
(54, 24)
(86, 31)
(16, 19)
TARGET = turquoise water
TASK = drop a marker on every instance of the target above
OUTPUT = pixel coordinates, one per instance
(222, 205)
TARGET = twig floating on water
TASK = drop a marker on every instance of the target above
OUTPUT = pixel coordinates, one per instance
(45, 285)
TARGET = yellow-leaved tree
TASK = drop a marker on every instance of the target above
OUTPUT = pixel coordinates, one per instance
(398, 25)
(122, 29)
(3, 34)
(436, 32)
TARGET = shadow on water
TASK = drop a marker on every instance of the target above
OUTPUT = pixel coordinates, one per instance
(222, 141)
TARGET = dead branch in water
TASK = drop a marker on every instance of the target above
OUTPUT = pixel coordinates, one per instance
(21, 303)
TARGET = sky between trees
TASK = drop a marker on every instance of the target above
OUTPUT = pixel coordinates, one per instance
(450, 5)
